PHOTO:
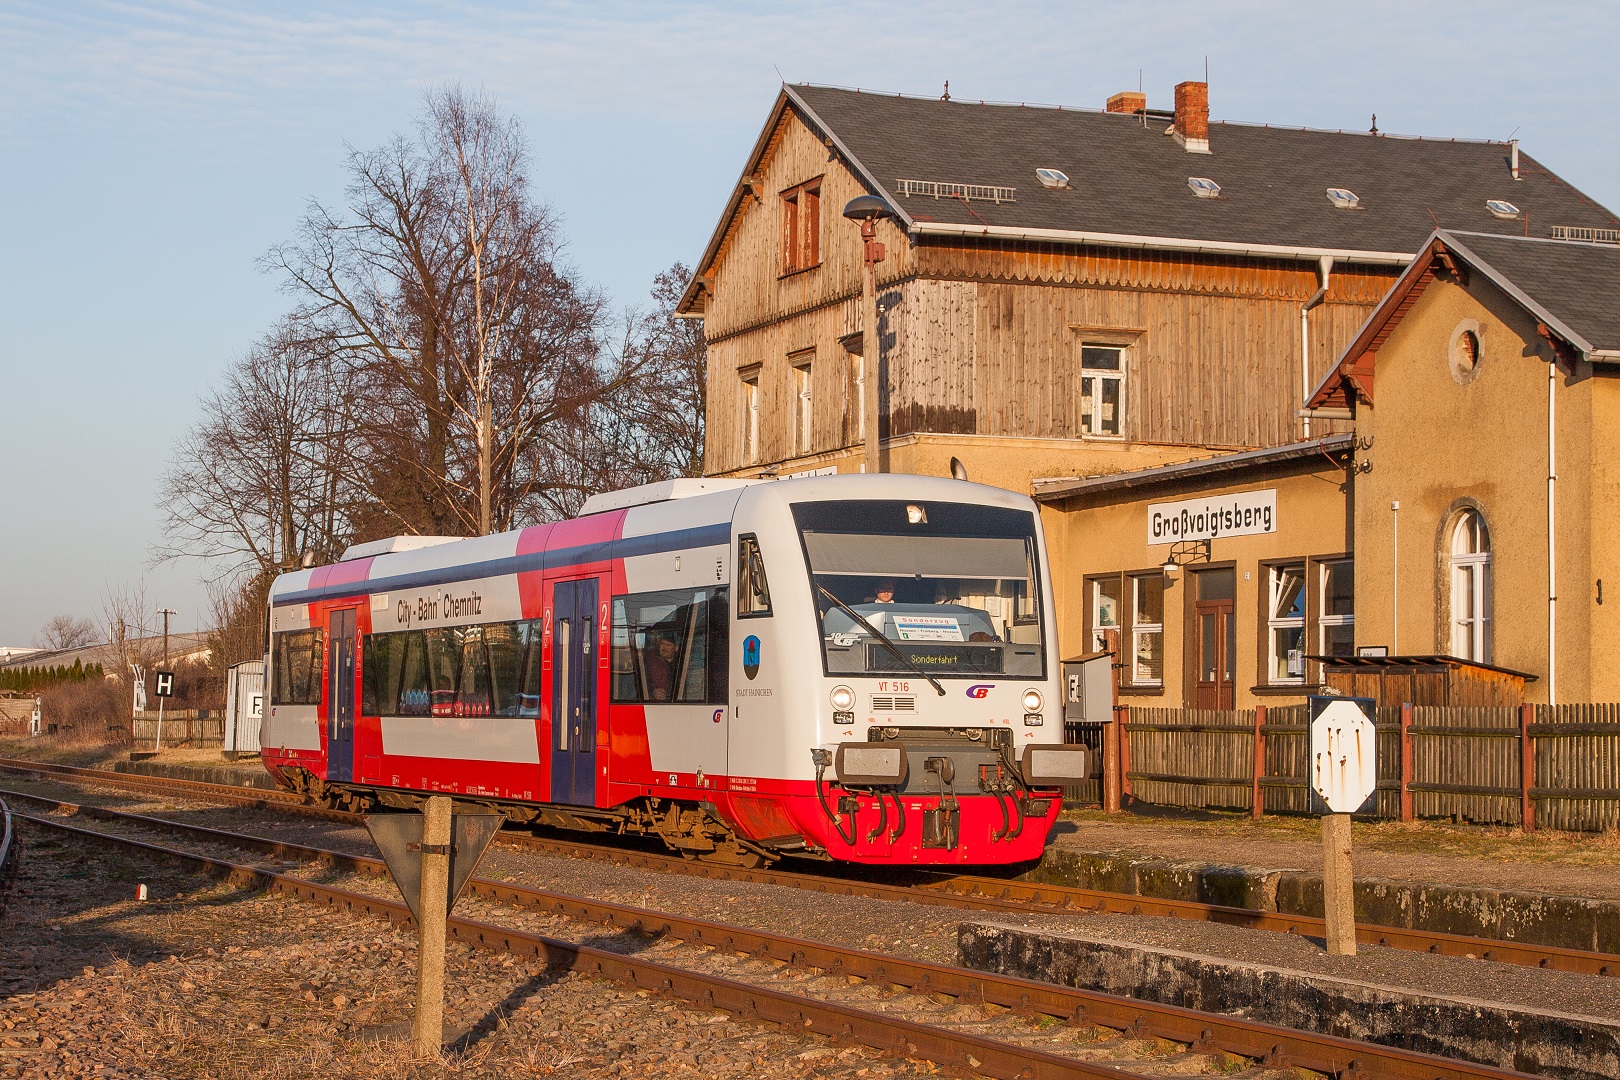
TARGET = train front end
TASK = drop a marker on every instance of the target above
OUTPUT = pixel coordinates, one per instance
(923, 701)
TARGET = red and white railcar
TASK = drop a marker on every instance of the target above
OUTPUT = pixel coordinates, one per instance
(855, 667)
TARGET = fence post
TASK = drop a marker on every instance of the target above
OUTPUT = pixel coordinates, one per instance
(1527, 768)
(1113, 773)
(1407, 810)
(1259, 759)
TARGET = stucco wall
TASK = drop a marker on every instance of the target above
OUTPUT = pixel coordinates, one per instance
(1109, 533)
(1440, 444)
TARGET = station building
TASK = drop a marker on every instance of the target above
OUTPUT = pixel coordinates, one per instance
(1123, 313)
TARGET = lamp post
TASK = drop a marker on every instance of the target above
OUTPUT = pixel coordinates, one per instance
(867, 209)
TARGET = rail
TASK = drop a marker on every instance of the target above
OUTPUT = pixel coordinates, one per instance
(976, 893)
(1277, 1046)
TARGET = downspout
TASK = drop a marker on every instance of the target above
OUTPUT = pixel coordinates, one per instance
(1305, 340)
(1552, 536)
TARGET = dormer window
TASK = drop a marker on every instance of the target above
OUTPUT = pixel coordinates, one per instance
(801, 227)
(1343, 198)
(1501, 208)
(1204, 187)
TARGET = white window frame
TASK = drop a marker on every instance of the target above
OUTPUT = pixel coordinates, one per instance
(751, 417)
(1471, 575)
(1098, 627)
(1292, 622)
(1140, 630)
(1324, 620)
(804, 402)
(1098, 376)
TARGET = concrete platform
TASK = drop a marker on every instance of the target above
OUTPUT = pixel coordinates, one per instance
(1570, 922)
(1353, 997)
(252, 775)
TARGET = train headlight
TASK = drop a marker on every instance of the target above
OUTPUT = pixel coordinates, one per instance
(843, 699)
(1032, 700)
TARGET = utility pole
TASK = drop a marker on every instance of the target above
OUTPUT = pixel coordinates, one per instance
(166, 612)
(867, 209)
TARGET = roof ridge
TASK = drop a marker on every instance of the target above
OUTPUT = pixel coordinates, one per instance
(1263, 125)
(1599, 244)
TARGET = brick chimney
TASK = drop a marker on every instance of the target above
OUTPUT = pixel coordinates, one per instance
(1127, 101)
(1192, 117)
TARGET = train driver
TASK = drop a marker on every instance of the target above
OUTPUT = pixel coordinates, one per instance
(884, 591)
(661, 668)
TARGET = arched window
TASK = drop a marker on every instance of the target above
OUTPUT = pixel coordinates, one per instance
(1471, 588)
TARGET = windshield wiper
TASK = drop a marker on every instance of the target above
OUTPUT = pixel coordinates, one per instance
(881, 636)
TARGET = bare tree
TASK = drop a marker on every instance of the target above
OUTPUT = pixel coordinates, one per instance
(260, 479)
(442, 291)
(658, 429)
(67, 632)
(124, 608)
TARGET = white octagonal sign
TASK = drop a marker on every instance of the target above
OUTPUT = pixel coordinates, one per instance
(1344, 755)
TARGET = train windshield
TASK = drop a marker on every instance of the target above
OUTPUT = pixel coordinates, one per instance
(954, 587)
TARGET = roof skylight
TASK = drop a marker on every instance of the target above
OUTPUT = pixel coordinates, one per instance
(1501, 208)
(1204, 187)
(1052, 178)
(1344, 198)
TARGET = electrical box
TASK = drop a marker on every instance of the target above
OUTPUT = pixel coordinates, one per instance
(1088, 689)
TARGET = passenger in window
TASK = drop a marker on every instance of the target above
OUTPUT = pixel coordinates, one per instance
(661, 668)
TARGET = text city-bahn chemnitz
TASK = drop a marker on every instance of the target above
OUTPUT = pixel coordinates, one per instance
(853, 667)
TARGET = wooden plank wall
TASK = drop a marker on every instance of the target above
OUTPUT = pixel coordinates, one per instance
(1577, 760)
(1465, 762)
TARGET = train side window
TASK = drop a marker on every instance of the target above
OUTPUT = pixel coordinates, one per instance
(443, 667)
(670, 647)
(383, 659)
(296, 660)
(753, 592)
(473, 684)
(413, 681)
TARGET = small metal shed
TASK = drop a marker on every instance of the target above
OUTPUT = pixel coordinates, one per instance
(1423, 680)
(244, 707)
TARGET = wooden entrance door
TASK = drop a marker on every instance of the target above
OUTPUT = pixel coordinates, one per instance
(1214, 637)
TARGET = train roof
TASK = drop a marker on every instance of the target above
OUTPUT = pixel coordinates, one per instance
(685, 513)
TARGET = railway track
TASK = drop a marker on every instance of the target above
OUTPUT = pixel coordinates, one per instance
(1201, 1032)
(967, 892)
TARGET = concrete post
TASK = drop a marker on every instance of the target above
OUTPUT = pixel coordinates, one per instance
(1338, 885)
(427, 1035)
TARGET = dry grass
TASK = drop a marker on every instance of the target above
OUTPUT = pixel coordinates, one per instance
(1433, 838)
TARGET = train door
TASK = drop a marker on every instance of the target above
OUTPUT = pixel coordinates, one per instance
(573, 692)
(340, 705)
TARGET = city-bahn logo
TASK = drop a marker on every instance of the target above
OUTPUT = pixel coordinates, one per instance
(979, 690)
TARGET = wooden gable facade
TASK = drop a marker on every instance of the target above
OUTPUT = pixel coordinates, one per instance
(982, 339)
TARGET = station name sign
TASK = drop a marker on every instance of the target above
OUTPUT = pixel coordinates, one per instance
(1243, 513)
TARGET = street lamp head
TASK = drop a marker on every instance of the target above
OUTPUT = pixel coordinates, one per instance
(867, 208)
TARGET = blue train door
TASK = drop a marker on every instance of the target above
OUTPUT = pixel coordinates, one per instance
(340, 706)
(573, 692)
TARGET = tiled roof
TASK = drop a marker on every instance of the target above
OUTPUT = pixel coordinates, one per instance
(1127, 178)
(1576, 285)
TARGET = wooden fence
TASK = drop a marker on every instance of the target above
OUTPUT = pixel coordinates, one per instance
(182, 727)
(1557, 767)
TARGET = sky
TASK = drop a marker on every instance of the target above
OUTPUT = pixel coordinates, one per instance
(151, 153)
